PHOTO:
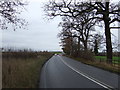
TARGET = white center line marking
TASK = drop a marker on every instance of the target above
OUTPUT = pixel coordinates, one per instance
(88, 77)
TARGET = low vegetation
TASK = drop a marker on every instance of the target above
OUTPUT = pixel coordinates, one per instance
(114, 67)
(104, 57)
(22, 69)
(116, 60)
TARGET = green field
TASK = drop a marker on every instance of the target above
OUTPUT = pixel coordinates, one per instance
(104, 58)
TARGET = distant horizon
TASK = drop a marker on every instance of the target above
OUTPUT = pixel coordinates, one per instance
(27, 49)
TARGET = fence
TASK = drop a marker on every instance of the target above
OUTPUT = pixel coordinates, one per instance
(114, 61)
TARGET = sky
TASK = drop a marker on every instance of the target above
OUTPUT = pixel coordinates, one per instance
(40, 34)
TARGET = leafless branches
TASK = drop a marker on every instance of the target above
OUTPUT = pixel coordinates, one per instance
(9, 11)
(83, 16)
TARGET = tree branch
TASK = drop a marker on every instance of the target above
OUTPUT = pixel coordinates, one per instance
(115, 19)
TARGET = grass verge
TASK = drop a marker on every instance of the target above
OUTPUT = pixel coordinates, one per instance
(22, 72)
(104, 57)
(116, 60)
(102, 65)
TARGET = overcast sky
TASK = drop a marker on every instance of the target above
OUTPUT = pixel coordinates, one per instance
(40, 33)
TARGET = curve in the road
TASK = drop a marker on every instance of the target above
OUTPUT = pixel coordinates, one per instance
(58, 73)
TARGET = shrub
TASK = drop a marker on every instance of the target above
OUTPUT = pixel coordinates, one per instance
(87, 55)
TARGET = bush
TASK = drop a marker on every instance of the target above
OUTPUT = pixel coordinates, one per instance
(24, 55)
(87, 55)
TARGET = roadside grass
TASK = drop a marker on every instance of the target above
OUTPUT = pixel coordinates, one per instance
(22, 72)
(116, 60)
(102, 65)
(104, 57)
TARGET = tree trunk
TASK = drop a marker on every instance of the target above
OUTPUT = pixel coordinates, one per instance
(108, 34)
(71, 47)
(96, 47)
(108, 42)
(78, 46)
(85, 46)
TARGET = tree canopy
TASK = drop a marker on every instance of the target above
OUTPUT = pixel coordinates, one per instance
(84, 16)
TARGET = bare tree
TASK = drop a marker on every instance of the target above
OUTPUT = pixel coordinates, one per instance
(69, 42)
(9, 11)
(66, 41)
(84, 26)
(98, 41)
(108, 13)
(103, 11)
(80, 24)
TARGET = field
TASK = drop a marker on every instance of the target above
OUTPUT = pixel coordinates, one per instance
(22, 70)
(57, 52)
(116, 60)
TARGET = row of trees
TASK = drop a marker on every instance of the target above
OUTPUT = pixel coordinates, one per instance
(78, 21)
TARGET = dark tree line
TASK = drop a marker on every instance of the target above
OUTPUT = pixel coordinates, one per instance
(79, 18)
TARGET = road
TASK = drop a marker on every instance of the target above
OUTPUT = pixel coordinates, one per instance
(64, 72)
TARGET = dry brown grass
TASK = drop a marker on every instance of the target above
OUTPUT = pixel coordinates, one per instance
(22, 72)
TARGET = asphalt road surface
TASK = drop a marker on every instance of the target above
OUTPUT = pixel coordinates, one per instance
(63, 72)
